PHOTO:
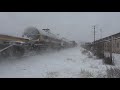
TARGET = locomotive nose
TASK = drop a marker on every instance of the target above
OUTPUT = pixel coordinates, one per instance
(32, 33)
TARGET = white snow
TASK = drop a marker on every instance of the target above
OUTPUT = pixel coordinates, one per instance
(107, 54)
(68, 63)
(116, 58)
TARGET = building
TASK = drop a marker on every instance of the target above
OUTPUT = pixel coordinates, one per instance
(110, 43)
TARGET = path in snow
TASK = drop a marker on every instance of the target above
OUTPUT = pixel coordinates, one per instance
(68, 63)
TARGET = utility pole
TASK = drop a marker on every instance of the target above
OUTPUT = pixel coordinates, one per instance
(94, 37)
(111, 38)
(94, 33)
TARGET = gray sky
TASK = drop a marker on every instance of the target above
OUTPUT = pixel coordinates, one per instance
(72, 25)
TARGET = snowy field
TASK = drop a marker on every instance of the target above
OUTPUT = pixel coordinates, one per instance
(68, 63)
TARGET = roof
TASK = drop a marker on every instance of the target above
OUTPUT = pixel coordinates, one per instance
(7, 37)
(108, 37)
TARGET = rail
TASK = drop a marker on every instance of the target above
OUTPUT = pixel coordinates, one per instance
(5, 48)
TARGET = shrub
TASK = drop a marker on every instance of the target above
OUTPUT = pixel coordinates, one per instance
(113, 72)
(108, 60)
(99, 54)
(86, 74)
(84, 51)
(90, 55)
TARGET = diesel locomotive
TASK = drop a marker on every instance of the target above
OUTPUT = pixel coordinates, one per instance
(32, 39)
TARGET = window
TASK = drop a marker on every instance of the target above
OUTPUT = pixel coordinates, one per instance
(117, 45)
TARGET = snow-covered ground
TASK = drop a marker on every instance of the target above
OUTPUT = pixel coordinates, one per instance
(67, 63)
(116, 58)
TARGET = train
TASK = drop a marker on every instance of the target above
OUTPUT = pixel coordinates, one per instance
(32, 39)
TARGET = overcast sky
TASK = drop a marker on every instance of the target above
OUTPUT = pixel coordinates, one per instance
(72, 25)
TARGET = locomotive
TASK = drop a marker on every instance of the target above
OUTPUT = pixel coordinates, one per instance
(32, 40)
